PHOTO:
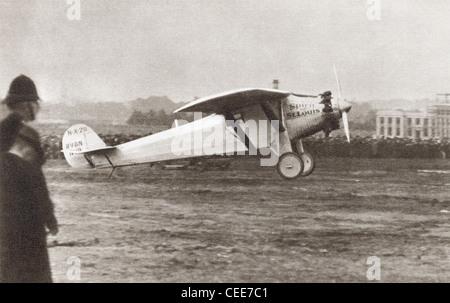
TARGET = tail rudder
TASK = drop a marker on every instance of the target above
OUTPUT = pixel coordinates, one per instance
(77, 139)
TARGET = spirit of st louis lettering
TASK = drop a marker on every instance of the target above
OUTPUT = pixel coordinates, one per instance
(302, 113)
(297, 106)
(300, 110)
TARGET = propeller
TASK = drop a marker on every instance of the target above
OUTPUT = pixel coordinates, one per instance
(343, 106)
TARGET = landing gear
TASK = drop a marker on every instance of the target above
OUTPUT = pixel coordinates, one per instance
(309, 164)
(308, 160)
(290, 166)
(294, 161)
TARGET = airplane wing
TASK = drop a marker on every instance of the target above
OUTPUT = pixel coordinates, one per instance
(231, 100)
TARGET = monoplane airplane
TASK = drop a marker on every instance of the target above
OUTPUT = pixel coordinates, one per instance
(268, 121)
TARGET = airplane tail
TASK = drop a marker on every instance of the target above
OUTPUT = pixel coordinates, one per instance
(79, 143)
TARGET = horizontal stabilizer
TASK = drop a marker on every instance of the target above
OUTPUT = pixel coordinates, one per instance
(100, 150)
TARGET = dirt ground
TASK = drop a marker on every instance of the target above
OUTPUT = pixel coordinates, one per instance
(247, 224)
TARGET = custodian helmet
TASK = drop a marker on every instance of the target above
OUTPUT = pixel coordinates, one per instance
(22, 89)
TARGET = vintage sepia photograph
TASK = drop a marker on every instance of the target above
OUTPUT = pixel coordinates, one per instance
(224, 141)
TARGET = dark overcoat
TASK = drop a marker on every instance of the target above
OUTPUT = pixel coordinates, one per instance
(25, 210)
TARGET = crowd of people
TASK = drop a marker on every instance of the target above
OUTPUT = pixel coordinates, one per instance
(360, 147)
(369, 147)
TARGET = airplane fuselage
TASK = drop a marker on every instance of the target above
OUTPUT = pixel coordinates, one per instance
(304, 117)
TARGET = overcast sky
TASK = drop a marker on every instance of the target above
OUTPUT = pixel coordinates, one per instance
(120, 50)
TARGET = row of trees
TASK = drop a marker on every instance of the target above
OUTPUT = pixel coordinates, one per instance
(362, 117)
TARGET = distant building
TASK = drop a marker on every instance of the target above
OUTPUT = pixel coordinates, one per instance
(433, 123)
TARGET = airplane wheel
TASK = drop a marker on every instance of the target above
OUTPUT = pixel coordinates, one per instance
(308, 162)
(290, 166)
